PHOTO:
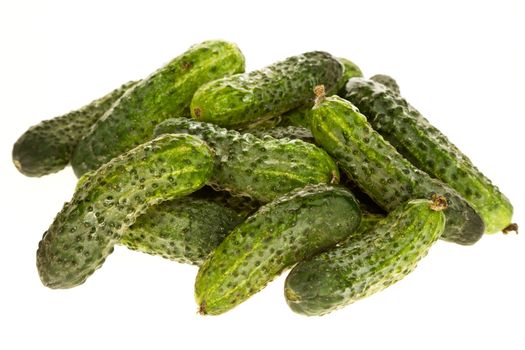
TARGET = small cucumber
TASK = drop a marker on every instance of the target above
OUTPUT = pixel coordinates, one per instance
(244, 98)
(164, 94)
(384, 79)
(184, 229)
(46, 147)
(380, 171)
(285, 132)
(290, 229)
(368, 261)
(428, 149)
(110, 199)
(263, 169)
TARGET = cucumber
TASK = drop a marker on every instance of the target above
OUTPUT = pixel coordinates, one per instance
(184, 229)
(243, 205)
(244, 98)
(46, 147)
(380, 171)
(285, 132)
(299, 116)
(428, 149)
(350, 70)
(384, 79)
(110, 200)
(262, 169)
(368, 261)
(164, 94)
(294, 227)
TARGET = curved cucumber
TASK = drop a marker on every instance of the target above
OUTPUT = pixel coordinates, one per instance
(290, 229)
(384, 79)
(263, 169)
(367, 262)
(285, 132)
(350, 70)
(185, 229)
(110, 200)
(164, 94)
(427, 148)
(243, 98)
(46, 147)
(381, 172)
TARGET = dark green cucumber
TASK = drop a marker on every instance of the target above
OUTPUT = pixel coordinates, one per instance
(110, 199)
(369, 261)
(263, 169)
(427, 148)
(244, 98)
(185, 229)
(46, 147)
(285, 132)
(381, 172)
(243, 205)
(350, 70)
(292, 228)
(164, 94)
(384, 79)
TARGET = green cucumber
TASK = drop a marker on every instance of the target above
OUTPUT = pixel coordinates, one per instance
(299, 116)
(184, 229)
(428, 149)
(243, 205)
(110, 199)
(351, 70)
(46, 147)
(285, 132)
(244, 98)
(380, 171)
(164, 94)
(384, 79)
(263, 169)
(368, 261)
(292, 228)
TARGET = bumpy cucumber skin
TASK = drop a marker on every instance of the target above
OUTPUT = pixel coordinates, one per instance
(263, 169)
(110, 200)
(242, 205)
(431, 151)
(290, 229)
(46, 147)
(285, 132)
(185, 229)
(381, 172)
(350, 70)
(243, 98)
(365, 263)
(384, 79)
(164, 94)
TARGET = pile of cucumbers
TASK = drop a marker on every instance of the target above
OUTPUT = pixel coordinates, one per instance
(303, 164)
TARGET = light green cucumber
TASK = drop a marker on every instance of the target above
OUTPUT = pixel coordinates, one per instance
(368, 261)
(380, 171)
(244, 98)
(281, 233)
(164, 94)
(110, 199)
(262, 169)
(46, 147)
(431, 151)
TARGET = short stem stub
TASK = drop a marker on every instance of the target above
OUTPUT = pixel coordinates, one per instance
(320, 94)
(510, 228)
(438, 203)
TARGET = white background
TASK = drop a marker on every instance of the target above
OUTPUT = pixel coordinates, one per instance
(461, 63)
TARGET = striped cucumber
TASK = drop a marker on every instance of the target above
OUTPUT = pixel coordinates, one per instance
(263, 169)
(292, 228)
(185, 229)
(380, 171)
(428, 149)
(46, 147)
(110, 199)
(164, 94)
(369, 261)
(244, 98)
